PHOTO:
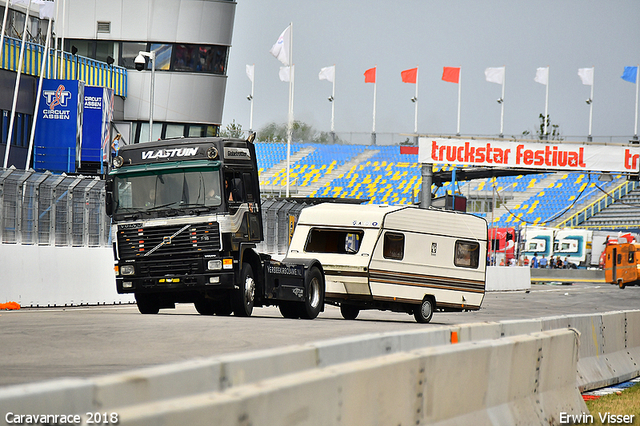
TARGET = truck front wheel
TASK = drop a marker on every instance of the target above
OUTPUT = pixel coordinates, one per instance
(314, 300)
(243, 297)
(147, 303)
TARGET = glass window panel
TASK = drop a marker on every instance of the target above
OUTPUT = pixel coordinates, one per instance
(333, 241)
(174, 131)
(163, 56)
(467, 254)
(129, 53)
(393, 246)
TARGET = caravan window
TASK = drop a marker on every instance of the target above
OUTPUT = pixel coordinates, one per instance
(338, 241)
(467, 254)
(393, 246)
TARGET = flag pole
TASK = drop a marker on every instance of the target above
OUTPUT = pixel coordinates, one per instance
(45, 54)
(4, 25)
(251, 113)
(333, 100)
(459, 91)
(290, 118)
(55, 48)
(546, 107)
(17, 86)
(591, 103)
(415, 124)
(504, 77)
(375, 85)
(635, 128)
(64, 10)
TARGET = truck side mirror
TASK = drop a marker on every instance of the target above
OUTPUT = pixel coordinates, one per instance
(108, 186)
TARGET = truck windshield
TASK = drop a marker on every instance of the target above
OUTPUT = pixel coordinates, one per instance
(155, 190)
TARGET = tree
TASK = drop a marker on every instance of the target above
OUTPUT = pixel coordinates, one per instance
(304, 132)
(554, 128)
(233, 130)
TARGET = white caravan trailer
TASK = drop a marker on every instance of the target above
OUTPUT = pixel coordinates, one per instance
(397, 258)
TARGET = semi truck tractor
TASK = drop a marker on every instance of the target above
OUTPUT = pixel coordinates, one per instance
(186, 219)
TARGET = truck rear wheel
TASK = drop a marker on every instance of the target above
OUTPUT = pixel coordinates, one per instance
(349, 312)
(243, 297)
(621, 285)
(424, 311)
(148, 304)
(314, 300)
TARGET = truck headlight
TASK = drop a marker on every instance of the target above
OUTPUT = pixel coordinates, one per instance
(127, 270)
(214, 265)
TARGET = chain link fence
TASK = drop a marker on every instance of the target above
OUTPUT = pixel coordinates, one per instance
(60, 210)
(54, 210)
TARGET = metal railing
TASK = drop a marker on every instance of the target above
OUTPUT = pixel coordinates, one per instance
(92, 72)
(54, 210)
(597, 206)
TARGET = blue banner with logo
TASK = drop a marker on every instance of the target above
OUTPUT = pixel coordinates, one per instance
(98, 112)
(58, 138)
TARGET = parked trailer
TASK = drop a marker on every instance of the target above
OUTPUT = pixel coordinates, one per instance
(622, 261)
(397, 258)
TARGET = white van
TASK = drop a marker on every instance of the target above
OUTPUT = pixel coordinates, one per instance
(397, 258)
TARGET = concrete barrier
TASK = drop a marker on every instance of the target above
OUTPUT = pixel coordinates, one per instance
(522, 379)
(59, 276)
(609, 351)
(505, 278)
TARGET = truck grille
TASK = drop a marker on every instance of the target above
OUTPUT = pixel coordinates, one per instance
(168, 241)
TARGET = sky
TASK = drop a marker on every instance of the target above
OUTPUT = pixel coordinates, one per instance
(355, 35)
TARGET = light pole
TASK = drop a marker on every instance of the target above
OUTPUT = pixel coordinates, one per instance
(140, 62)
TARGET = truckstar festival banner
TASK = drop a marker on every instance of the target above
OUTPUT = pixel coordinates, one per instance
(58, 138)
(532, 155)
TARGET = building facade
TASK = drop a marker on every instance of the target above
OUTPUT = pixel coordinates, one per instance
(191, 40)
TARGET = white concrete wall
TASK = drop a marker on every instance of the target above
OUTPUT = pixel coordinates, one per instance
(58, 276)
(502, 278)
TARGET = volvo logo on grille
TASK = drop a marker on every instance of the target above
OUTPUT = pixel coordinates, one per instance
(166, 240)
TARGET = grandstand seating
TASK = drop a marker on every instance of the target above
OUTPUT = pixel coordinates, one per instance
(389, 177)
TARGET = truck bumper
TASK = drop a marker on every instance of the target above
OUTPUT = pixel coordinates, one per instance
(206, 282)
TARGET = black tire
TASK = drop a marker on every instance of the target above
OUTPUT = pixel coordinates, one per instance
(621, 285)
(314, 295)
(204, 306)
(244, 297)
(289, 310)
(349, 312)
(424, 311)
(148, 304)
(222, 308)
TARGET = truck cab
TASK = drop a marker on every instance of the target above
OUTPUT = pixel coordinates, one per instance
(186, 218)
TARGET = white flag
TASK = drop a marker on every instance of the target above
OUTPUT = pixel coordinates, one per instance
(494, 75)
(47, 9)
(250, 70)
(281, 49)
(328, 73)
(542, 76)
(285, 74)
(586, 75)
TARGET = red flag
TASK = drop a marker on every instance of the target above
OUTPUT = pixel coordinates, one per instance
(451, 74)
(370, 75)
(409, 76)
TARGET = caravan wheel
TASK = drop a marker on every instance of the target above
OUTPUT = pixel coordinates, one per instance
(424, 311)
(349, 312)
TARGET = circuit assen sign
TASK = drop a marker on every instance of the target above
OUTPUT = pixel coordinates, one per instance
(534, 155)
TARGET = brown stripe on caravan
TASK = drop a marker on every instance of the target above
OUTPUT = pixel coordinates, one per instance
(419, 280)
